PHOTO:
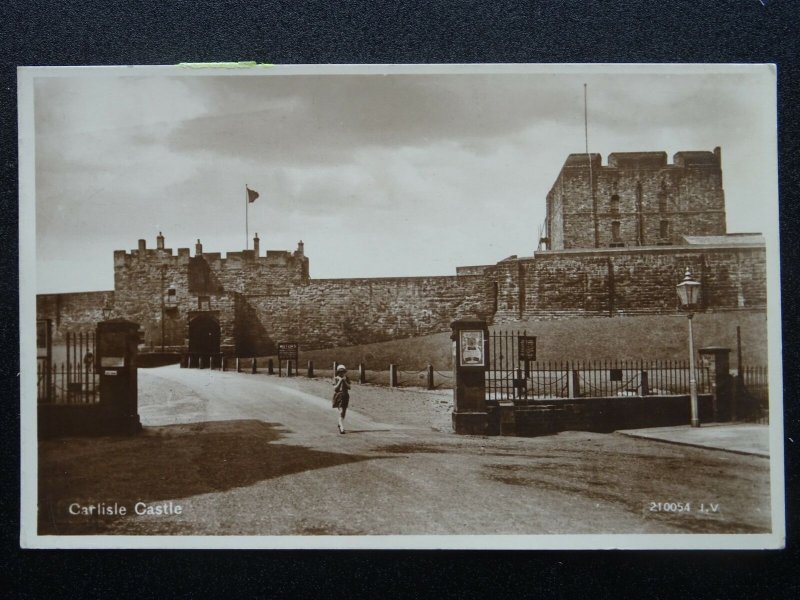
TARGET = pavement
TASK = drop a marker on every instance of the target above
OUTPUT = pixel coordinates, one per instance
(740, 438)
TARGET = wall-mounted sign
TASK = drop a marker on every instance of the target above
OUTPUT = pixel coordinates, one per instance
(288, 350)
(527, 347)
(471, 347)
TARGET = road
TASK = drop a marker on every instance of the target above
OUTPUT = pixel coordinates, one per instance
(244, 454)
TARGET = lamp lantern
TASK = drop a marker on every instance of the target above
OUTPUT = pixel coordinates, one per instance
(689, 293)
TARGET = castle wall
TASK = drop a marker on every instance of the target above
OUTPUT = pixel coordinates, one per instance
(72, 312)
(621, 281)
(278, 303)
(341, 312)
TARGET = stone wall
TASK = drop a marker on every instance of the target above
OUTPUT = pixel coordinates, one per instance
(343, 312)
(623, 281)
(614, 249)
(602, 415)
(72, 312)
(259, 301)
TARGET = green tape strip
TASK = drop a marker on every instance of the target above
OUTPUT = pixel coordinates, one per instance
(242, 64)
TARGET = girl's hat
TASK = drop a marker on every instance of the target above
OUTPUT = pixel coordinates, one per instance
(341, 368)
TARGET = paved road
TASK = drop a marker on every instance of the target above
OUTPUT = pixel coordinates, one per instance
(258, 455)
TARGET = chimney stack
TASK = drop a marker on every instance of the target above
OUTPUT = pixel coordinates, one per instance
(142, 246)
(300, 247)
(255, 244)
(160, 241)
(198, 248)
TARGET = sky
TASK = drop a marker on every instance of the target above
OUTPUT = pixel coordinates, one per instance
(392, 173)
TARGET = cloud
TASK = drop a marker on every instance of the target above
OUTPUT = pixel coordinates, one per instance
(311, 119)
(379, 175)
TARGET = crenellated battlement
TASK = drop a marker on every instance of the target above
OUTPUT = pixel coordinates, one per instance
(162, 255)
(647, 160)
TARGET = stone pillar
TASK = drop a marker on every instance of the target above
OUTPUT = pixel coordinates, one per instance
(470, 362)
(116, 363)
(718, 362)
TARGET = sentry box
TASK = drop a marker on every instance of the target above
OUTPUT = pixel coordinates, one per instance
(115, 361)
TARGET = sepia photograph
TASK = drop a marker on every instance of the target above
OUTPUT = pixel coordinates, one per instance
(400, 306)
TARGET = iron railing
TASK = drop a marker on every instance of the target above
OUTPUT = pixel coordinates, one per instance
(67, 374)
(510, 377)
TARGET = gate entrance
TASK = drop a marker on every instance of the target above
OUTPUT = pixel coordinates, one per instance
(204, 336)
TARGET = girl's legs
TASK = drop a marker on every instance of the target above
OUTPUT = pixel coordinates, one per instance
(342, 412)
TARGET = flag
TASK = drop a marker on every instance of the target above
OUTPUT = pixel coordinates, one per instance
(251, 194)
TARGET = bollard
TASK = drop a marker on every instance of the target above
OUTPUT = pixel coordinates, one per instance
(238, 365)
(200, 362)
(210, 361)
(222, 363)
(270, 367)
(362, 373)
(254, 367)
(392, 375)
(645, 384)
(430, 377)
(310, 369)
(189, 361)
(335, 364)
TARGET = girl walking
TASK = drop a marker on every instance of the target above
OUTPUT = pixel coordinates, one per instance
(341, 394)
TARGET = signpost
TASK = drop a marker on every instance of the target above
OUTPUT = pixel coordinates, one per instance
(289, 352)
(526, 351)
(527, 347)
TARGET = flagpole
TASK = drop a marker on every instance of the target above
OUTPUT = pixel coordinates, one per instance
(589, 156)
(246, 225)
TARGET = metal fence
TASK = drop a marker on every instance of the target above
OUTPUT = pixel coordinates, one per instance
(511, 377)
(66, 374)
(754, 393)
(598, 379)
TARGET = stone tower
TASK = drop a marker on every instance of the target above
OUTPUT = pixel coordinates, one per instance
(637, 199)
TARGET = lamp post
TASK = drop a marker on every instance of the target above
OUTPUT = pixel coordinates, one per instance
(163, 275)
(689, 293)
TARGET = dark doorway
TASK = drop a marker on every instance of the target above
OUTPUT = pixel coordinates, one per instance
(204, 335)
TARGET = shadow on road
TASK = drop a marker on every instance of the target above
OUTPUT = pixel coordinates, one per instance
(163, 463)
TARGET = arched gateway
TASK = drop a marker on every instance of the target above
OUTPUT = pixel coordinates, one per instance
(204, 335)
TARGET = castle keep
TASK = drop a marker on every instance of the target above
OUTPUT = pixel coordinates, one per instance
(618, 238)
(637, 199)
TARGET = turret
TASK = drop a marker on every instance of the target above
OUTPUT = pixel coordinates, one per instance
(160, 241)
(255, 245)
(198, 248)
